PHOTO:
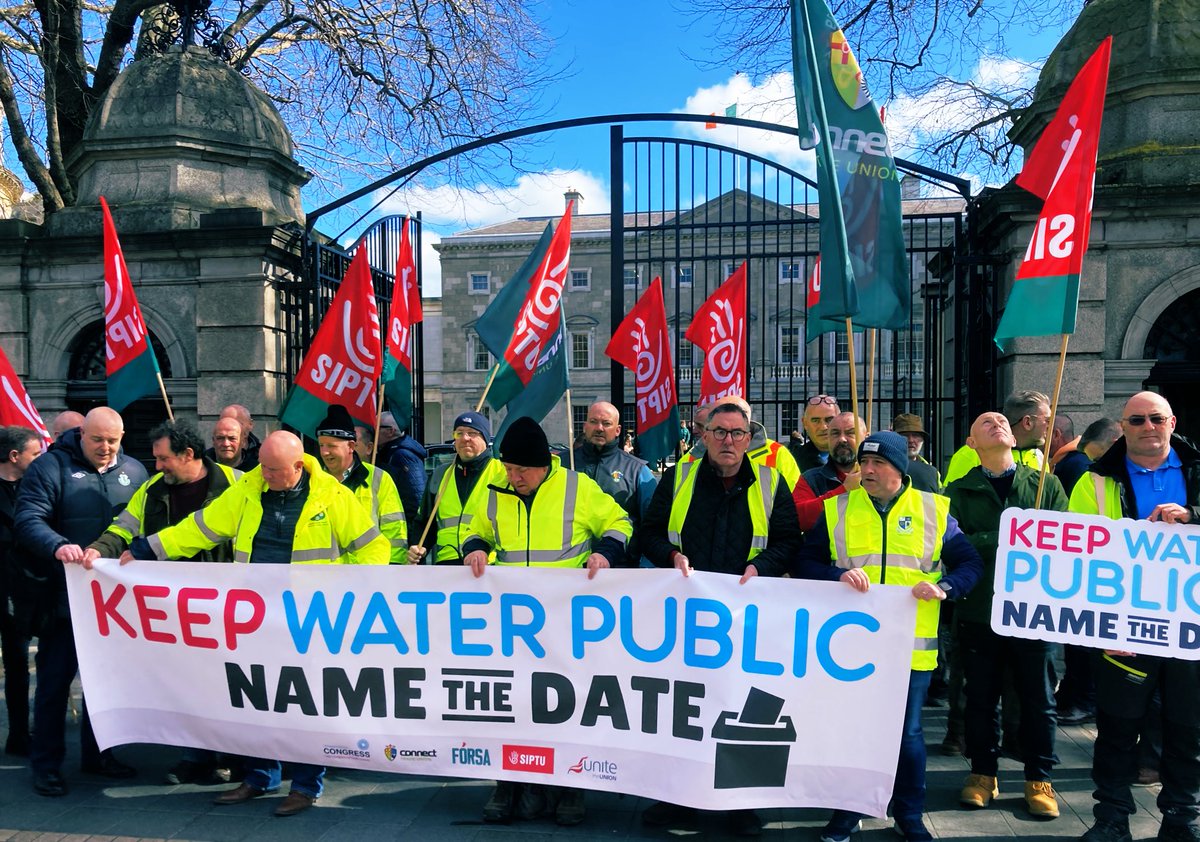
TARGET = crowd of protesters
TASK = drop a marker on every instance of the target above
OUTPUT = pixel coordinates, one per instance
(833, 501)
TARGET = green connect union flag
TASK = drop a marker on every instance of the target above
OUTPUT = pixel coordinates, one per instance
(1061, 169)
(345, 359)
(523, 328)
(641, 343)
(405, 312)
(864, 268)
(130, 365)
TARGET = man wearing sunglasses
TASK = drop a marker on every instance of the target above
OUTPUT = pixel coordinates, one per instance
(1148, 474)
(721, 513)
(819, 412)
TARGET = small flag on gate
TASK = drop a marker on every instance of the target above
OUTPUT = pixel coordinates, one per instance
(130, 365)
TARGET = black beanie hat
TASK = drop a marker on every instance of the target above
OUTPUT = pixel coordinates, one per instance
(525, 444)
(337, 423)
(886, 445)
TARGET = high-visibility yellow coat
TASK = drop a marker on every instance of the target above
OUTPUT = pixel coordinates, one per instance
(901, 547)
(568, 512)
(378, 494)
(333, 527)
(760, 499)
(453, 513)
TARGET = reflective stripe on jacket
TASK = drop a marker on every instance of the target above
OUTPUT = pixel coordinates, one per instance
(453, 513)
(333, 527)
(556, 529)
(760, 499)
(775, 455)
(900, 547)
(379, 497)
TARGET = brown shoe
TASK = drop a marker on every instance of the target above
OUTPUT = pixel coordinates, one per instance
(296, 802)
(244, 792)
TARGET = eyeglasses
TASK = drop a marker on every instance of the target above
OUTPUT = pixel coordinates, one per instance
(1156, 419)
(468, 434)
(721, 433)
(822, 399)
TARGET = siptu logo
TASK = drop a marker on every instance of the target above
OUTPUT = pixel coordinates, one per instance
(466, 755)
(529, 759)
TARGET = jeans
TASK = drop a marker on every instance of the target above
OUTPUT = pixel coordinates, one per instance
(908, 792)
(267, 774)
(57, 664)
(985, 657)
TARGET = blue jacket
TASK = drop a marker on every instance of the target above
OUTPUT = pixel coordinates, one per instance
(404, 460)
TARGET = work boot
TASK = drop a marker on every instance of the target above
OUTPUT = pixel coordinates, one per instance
(913, 830)
(499, 807)
(1039, 796)
(530, 802)
(571, 809)
(1106, 831)
(978, 791)
(1178, 833)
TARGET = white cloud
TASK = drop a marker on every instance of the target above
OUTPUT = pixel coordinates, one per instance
(534, 194)
(431, 266)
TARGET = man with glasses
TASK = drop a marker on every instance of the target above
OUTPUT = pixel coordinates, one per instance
(622, 475)
(837, 476)
(1149, 474)
(1028, 415)
(459, 482)
(819, 412)
(723, 514)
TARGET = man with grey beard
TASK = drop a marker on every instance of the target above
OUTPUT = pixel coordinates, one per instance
(836, 476)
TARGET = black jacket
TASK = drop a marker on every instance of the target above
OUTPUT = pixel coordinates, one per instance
(716, 530)
(807, 455)
(623, 477)
(1112, 464)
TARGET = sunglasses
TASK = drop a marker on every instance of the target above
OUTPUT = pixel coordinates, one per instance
(1139, 420)
(822, 399)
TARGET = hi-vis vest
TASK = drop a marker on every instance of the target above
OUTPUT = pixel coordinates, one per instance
(453, 513)
(777, 456)
(333, 527)
(382, 501)
(760, 497)
(569, 512)
(902, 547)
(1097, 495)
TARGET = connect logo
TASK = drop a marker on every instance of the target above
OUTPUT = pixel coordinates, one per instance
(529, 759)
(389, 751)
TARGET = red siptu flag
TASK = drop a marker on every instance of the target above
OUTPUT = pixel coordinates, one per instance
(130, 365)
(641, 343)
(1061, 169)
(405, 312)
(345, 357)
(16, 407)
(813, 291)
(538, 318)
(719, 329)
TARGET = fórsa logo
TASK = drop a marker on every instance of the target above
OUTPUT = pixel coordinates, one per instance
(465, 755)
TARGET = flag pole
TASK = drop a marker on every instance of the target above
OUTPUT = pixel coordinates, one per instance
(162, 387)
(871, 333)
(1062, 362)
(437, 501)
(853, 373)
(487, 387)
(570, 429)
(378, 421)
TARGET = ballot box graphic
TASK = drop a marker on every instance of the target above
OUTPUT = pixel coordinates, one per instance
(753, 744)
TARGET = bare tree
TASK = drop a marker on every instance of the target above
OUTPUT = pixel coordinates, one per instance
(922, 52)
(362, 84)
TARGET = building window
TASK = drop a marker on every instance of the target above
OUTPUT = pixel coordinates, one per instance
(581, 349)
(478, 357)
(729, 268)
(790, 415)
(791, 345)
(579, 414)
(479, 283)
(912, 345)
(631, 277)
(683, 275)
(841, 350)
(791, 272)
(581, 279)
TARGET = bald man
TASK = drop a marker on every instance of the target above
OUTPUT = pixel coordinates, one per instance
(287, 488)
(66, 420)
(621, 475)
(68, 498)
(250, 442)
(1148, 474)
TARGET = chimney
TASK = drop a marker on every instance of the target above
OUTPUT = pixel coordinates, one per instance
(573, 194)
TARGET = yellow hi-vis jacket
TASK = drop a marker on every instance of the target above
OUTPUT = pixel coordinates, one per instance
(760, 499)
(901, 547)
(1096, 495)
(333, 527)
(380, 497)
(453, 514)
(568, 512)
(777, 456)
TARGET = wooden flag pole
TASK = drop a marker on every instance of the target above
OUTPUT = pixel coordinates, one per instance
(570, 430)
(378, 421)
(437, 501)
(1062, 363)
(853, 373)
(162, 387)
(871, 333)
(486, 388)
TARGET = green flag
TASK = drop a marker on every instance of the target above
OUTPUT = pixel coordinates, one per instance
(864, 267)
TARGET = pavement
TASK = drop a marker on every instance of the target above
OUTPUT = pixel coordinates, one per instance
(359, 806)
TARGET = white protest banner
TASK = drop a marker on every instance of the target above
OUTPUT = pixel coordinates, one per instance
(692, 690)
(1126, 585)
